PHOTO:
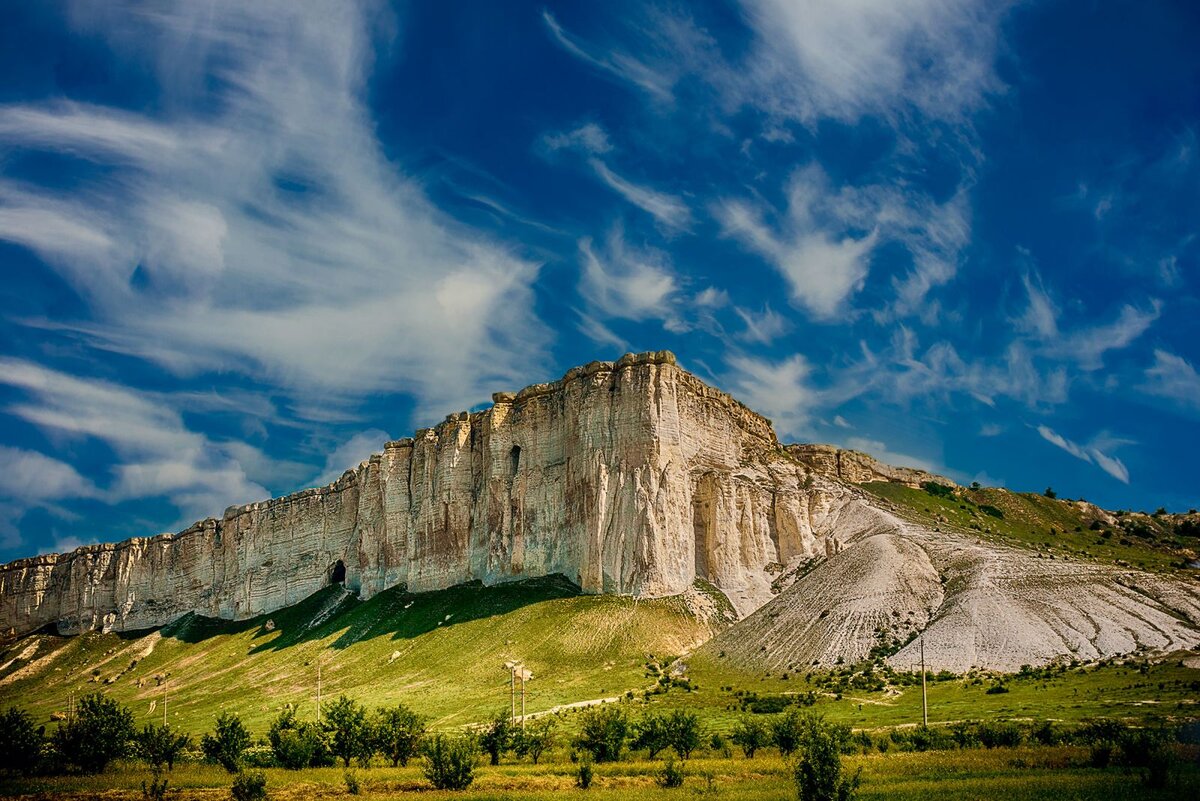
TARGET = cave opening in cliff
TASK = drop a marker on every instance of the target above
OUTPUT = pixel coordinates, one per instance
(337, 573)
(515, 456)
(704, 502)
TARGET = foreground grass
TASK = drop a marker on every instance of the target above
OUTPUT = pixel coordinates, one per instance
(1027, 774)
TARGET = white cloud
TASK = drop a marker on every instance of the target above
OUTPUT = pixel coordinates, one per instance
(850, 58)
(780, 390)
(711, 298)
(261, 253)
(589, 138)
(652, 79)
(841, 422)
(763, 327)
(667, 209)
(1174, 378)
(880, 451)
(351, 453)
(628, 283)
(158, 454)
(1091, 453)
(31, 477)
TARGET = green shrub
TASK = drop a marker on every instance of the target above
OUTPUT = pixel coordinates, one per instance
(671, 774)
(250, 785)
(298, 744)
(603, 732)
(497, 737)
(818, 773)
(991, 510)
(156, 788)
(450, 762)
(227, 742)
(999, 734)
(351, 779)
(158, 745)
(751, 734)
(20, 742)
(937, 490)
(349, 732)
(584, 775)
(398, 733)
(100, 731)
(535, 739)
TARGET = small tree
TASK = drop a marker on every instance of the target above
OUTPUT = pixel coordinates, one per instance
(398, 733)
(535, 739)
(1050, 493)
(227, 742)
(298, 744)
(250, 786)
(350, 735)
(652, 733)
(751, 734)
(159, 746)
(497, 737)
(818, 773)
(787, 731)
(450, 762)
(100, 732)
(671, 774)
(20, 742)
(684, 732)
(603, 733)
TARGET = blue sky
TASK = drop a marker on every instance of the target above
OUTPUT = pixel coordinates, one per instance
(244, 244)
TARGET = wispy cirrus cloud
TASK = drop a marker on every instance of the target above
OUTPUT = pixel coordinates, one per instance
(1092, 453)
(667, 209)
(621, 281)
(1174, 378)
(255, 251)
(780, 389)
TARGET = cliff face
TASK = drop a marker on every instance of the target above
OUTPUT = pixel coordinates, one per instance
(632, 477)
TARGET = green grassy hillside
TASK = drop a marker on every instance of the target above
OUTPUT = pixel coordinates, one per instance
(440, 652)
(1053, 527)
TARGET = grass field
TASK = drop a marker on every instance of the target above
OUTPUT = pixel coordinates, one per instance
(1054, 528)
(440, 652)
(1020, 774)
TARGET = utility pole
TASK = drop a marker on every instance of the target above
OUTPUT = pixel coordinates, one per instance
(318, 692)
(526, 675)
(165, 704)
(924, 695)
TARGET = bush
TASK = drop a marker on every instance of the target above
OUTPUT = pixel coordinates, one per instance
(1050, 493)
(535, 739)
(999, 734)
(227, 742)
(603, 733)
(398, 733)
(497, 737)
(1046, 733)
(937, 490)
(20, 742)
(751, 734)
(787, 730)
(717, 745)
(684, 732)
(349, 733)
(584, 775)
(651, 733)
(159, 746)
(671, 774)
(818, 773)
(100, 732)
(450, 762)
(351, 779)
(298, 744)
(250, 785)
(156, 789)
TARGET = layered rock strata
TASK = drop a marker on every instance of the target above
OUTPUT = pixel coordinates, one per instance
(627, 477)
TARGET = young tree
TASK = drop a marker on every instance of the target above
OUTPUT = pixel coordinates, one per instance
(20, 742)
(652, 733)
(787, 731)
(159, 746)
(450, 762)
(398, 733)
(603, 732)
(684, 732)
(751, 734)
(497, 737)
(535, 739)
(298, 744)
(350, 735)
(818, 774)
(227, 742)
(100, 732)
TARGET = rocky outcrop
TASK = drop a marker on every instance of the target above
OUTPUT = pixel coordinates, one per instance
(628, 477)
(859, 468)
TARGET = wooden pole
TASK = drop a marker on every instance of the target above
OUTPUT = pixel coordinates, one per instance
(522, 700)
(318, 692)
(512, 695)
(165, 703)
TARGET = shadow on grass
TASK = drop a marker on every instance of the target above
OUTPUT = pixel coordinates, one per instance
(395, 612)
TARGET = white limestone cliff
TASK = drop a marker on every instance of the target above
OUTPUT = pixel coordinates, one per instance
(628, 477)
